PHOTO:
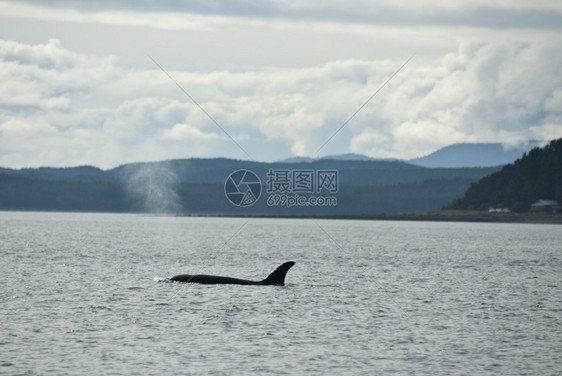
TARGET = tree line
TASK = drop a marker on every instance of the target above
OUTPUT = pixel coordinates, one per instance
(536, 175)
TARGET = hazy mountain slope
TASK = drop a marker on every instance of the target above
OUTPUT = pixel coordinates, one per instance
(350, 172)
(452, 156)
(537, 175)
(197, 186)
(470, 155)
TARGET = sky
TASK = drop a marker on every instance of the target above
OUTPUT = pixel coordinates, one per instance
(106, 83)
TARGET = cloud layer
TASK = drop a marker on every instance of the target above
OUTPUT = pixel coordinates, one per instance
(184, 14)
(62, 108)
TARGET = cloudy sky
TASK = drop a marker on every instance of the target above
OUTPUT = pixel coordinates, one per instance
(108, 82)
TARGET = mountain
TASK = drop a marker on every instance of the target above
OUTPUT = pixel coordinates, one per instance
(198, 186)
(537, 175)
(348, 157)
(80, 173)
(216, 170)
(296, 160)
(339, 157)
(471, 155)
(452, 156)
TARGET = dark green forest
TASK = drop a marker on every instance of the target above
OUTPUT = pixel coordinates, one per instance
(18, 193)
(536, 175)
(196, 186)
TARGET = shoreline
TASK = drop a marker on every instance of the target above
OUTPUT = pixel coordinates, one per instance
(429, 216)
(426, 215)
(484, 217)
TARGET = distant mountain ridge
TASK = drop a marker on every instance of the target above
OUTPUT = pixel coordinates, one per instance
(339, 157)
(472, 155)
(198, 186)
(452, 156)
(216, 170)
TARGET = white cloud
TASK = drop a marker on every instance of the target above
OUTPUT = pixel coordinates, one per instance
(19, 129)
(73, 13)
(64, 108)
(481, 93)
(215, 15)
(186, 132)
(46, 75)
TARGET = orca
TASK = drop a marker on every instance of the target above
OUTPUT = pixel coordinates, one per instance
(277, 278)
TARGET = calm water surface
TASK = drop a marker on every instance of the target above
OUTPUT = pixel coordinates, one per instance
(87, 294)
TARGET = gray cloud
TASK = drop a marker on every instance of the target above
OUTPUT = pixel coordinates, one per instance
(429, 13)
(91, 110)
(481, 93)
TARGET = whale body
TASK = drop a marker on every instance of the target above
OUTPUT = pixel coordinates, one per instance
(277, 278)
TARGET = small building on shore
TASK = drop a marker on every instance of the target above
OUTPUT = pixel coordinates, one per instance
(545, 206)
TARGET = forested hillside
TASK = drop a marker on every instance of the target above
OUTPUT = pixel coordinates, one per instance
(197, 186)
(536, 175)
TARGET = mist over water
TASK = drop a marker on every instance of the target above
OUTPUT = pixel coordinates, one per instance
(153, 187)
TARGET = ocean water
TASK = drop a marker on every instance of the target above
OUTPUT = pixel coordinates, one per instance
(85, 294)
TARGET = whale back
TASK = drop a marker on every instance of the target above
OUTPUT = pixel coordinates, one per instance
(277, 277)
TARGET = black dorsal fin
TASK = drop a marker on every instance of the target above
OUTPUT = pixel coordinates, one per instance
(277, 277)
